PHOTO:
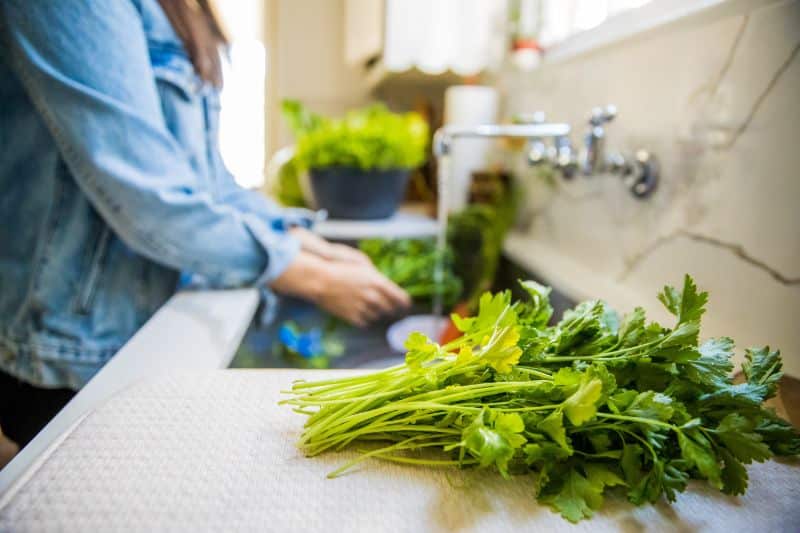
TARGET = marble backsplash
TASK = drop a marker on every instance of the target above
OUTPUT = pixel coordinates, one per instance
(719, 102)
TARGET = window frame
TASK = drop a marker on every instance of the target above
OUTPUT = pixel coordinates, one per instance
(655, 15)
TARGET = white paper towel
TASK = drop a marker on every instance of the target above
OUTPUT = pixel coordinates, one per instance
(468, 105)
(213, 451)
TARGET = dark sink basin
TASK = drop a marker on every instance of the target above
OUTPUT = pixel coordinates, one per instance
(363, 348)
(259, 348)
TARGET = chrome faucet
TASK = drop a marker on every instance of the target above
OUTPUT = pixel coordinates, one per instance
(640, 172)
(533, 128)
(443, 138)
(558, 155)
(593, 156)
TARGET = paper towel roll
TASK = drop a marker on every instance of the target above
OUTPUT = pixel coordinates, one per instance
(468, 105)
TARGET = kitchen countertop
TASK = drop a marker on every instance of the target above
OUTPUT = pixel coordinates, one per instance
(213, 451)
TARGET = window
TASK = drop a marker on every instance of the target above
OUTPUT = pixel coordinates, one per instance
(242, 136)
(552, 21)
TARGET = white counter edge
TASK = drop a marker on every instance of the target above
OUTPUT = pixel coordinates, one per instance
(192, 331)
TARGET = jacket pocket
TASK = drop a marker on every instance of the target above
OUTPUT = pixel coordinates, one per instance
(183, 105)
(172, 68)
(92, 277)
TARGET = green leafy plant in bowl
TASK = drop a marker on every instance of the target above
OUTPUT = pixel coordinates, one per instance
(359, 164)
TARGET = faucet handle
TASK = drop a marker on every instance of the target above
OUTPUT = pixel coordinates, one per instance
(602, 115)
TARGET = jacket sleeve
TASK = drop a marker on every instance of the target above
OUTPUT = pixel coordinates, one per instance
(86, 69)
(280, 218)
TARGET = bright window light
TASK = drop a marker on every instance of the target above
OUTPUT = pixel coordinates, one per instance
(590, 13)
(242, 136)
(563, 18)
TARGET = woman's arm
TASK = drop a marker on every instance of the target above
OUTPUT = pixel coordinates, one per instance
(249, 201)
(85, 67)
(311, 242)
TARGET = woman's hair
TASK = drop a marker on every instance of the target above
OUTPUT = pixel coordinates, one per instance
(198, 26)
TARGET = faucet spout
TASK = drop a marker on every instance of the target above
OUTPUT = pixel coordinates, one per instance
(640, 173)
(443, 138)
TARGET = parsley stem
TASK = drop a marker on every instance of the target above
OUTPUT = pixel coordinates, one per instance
(641, 420)
(425, 462)
(643, 441)
(402, 445)
(599, 356)
(534, 372)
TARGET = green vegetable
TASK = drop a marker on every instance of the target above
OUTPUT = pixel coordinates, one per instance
(369, 138)
(592, 405)
(301, 121)
(287, 189)
(411, 263)
(475, 238)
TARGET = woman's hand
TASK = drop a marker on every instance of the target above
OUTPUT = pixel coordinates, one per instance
(313, 243)
(352, 290)
(360, 294)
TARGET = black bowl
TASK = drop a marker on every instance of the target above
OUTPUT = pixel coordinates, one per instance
(358, 194)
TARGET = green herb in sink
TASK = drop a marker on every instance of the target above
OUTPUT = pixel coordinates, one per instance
(411, 263)
(592, 405)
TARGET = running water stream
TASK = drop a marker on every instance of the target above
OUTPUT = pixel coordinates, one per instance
(443, 189)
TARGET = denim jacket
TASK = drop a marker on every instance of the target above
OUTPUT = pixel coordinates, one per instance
(111, 184)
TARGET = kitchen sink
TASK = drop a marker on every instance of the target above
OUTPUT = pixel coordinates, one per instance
(362, 348)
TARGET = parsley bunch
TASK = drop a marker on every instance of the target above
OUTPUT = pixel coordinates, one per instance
(592, 404)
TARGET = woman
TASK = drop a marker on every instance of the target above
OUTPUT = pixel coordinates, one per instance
(111, 185)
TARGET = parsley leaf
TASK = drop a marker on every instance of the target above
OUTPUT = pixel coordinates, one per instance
(738, 434)
(734, 474)
(781, 437)
(574, 496)
(502, 351)
(763, 367)
(631, 329)
(421, 349)
(578, 326)
(544, 452)
(553, 426)
(511, 426)
(652, 405)
(714, 366)
(697, 451)
(494, 446)
(688, 305)
(538, 311)
(494, 311)
(741, 395)
(581, 406)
